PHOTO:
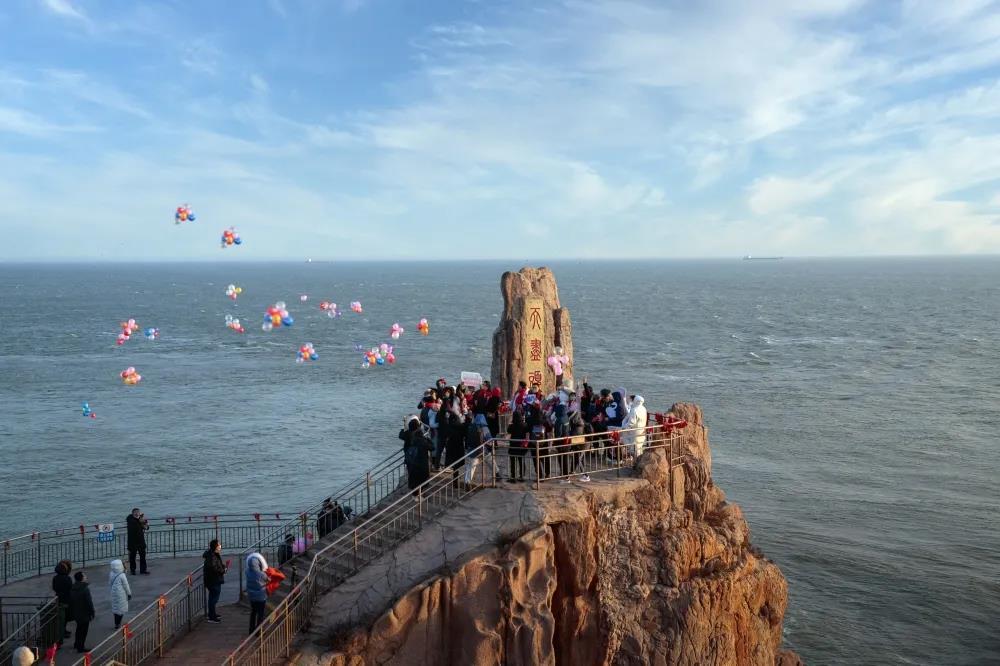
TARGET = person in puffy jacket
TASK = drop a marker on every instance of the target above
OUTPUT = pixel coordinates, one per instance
(121, 593)
(416, 451)
(22, 657)
(257, 581)
(633, 427)
(62, 584)
(213, 575)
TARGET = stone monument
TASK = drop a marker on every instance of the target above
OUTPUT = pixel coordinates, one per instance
(535, 336)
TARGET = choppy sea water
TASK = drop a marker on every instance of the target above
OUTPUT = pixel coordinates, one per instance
(853, 407)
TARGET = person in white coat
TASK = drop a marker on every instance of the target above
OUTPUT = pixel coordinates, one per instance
(121, 592)
(633, 427)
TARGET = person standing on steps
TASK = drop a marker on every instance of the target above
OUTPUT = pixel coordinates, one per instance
(137, 525)
(82, 606)
(121, 593)
(62, 585)
(213, 575)
(257, 581)
(286, 550)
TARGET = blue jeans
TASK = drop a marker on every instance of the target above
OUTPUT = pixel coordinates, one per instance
(214, 592)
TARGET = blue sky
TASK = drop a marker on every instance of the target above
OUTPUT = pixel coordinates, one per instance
(353, 129)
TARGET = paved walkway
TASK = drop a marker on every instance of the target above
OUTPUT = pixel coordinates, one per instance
(164, 574)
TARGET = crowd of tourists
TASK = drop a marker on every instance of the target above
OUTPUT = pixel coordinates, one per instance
(556, 431)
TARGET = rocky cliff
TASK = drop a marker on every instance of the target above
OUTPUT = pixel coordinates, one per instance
(655, 567)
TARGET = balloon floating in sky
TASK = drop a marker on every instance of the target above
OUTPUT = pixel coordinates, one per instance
(234, 324)
(396, 331)
(230, 237)
(307, 353)
(330, 309)
(151, 333)
(128, 328)
(130, 376)
(424, 327)
(183, 214)
(87, 411)
(378, 356)
(356, 307)
(277, 315)
(232, 291)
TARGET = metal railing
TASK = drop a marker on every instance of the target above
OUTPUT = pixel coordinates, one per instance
(31, 621)
(382, 532)
(37, 553)
(175, 613)
(356, 500)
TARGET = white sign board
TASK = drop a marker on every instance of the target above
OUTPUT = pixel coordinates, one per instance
(472, 379)
(106, 532)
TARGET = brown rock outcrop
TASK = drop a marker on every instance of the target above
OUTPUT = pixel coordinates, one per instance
(508, 356)
(655, 569)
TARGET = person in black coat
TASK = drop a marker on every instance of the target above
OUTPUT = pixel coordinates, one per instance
(213, 575)
(62, 585)
(136, 525)
(82, 609)
(416, 453)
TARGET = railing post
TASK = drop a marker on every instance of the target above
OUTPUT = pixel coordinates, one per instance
(6, 548)
(159, 626)
(368, 489)
(239, 565)
(173, 537)
(420, 506)
(260, 644)
(355, 548)
(39, 553)
(83, 547)
(190, 612)
(538, 466)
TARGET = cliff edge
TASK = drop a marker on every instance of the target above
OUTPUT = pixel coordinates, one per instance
(653, 567)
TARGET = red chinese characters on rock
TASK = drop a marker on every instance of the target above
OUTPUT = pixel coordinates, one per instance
(535, 378)
(535, 349)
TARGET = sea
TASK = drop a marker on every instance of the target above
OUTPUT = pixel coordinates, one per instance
(853, 407)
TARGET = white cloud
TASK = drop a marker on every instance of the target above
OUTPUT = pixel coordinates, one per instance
(64, 8)
(259, 85)
(18, 121)
(773, 194)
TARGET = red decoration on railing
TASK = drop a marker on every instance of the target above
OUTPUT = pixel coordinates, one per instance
(189, 519)
(256, 517)
(190, 580)
(170, 520)
(277, 516)
(34, 535)
(82, 529)
(126, 632)
(616, 437)
(50, 654)
(161, 601)
(86, 659)
(6, 545)
(215, 519)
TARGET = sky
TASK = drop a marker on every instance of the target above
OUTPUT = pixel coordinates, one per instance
(461, 129)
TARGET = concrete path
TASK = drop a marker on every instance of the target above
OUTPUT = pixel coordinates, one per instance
(164, 574)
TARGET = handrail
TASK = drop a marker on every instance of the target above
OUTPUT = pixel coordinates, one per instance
(399, 520)
(177, 610)
(39, 629)
(260, 647)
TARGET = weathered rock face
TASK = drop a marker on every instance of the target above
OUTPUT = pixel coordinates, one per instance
(656, 569)
(508, 348)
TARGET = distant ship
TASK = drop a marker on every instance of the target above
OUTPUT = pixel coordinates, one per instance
(752, 258)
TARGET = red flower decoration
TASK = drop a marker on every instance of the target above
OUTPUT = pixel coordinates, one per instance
(126, 632)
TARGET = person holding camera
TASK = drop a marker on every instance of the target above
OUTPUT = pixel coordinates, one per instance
(137, 525)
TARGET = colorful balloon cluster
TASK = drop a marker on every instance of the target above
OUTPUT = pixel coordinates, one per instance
(230, 237)
(232, 291)
(330, 309)
(87, 411)
(183, 214)
(151, 333)
(356, 307)
(233, 323)
(424, 327)
(277, 315)
(307, 353)
(396, 331)
(130, 376)
(379, 356)
(128, 328)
